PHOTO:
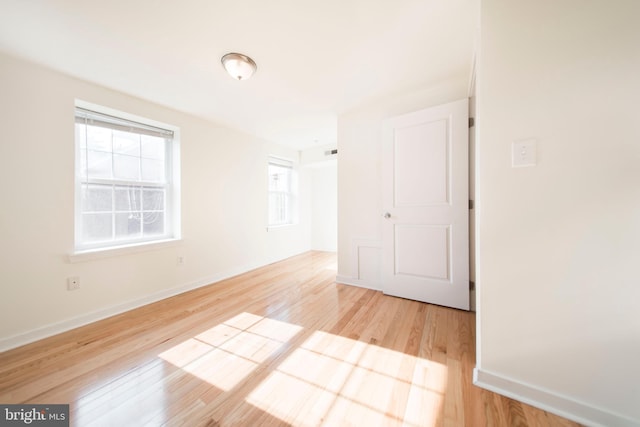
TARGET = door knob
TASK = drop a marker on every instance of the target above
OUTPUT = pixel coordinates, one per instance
(387, 215)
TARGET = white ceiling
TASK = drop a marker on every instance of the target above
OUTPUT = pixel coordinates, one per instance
(315, 59)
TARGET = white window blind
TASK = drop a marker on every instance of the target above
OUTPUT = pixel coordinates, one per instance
(124, 191)
(282, 200)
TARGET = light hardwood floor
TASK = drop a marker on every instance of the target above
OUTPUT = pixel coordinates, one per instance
(281, 345)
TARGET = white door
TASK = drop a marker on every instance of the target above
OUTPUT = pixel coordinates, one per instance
(425, 237)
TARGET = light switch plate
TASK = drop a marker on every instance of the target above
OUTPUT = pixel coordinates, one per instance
(523, 153)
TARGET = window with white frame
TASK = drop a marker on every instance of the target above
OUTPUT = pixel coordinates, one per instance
(124, 181)
(282, 186)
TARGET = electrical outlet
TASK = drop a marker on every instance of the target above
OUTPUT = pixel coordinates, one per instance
(73, 283)
(181, 260)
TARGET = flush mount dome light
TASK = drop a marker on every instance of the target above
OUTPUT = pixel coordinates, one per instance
(239, 66)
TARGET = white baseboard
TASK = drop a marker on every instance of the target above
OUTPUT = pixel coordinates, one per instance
(84, 319)
(356, 282)
(549, 401)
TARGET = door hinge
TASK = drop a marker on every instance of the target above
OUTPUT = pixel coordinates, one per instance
(472, 122)
(472, 285)
(470, 204)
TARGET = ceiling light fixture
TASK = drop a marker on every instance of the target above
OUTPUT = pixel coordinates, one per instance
(239, 66)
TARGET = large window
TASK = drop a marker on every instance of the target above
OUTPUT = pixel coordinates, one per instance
(282, 185)
(124, 188)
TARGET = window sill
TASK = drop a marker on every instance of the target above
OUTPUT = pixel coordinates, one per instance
(280, 227)
(94, 254)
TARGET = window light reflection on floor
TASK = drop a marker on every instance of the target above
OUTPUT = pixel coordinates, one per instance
(338, 381)
(333, 266)
(225, 354)
(328, 379)
(117, 400)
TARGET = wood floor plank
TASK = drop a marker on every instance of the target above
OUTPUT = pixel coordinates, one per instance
(283, 345)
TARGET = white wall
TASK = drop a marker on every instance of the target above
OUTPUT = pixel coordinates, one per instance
(323, 175)
(559, 243)
(224, 211)
(324, 206)
(359, 177)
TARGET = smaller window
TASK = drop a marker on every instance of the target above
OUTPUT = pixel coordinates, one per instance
(282, 200)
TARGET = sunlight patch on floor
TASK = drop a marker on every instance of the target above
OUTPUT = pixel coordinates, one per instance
(333, 266)
(339, 381)
(227, 353)
(328, 379)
